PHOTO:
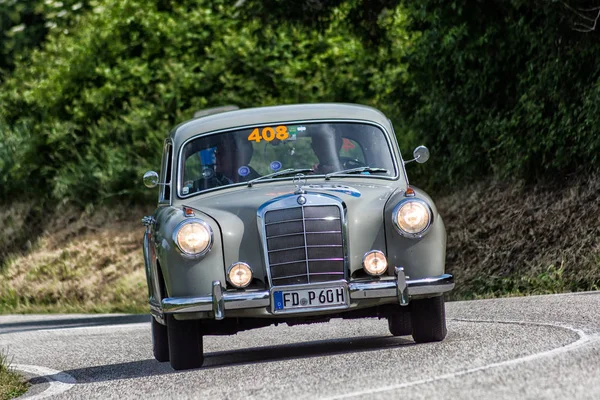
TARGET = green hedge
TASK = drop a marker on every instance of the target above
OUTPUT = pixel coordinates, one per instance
(504, 88)
(93, 107)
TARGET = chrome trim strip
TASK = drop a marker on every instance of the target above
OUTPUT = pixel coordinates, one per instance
(307, 260)
(157, 313)
(289, 276)
(300, 233)
(389, 287)
(269, 265)
(305, 219)
(357, 291)
(312, 246)
(231, 301)
(388, 138)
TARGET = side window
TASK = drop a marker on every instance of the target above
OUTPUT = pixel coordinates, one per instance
(164, 196)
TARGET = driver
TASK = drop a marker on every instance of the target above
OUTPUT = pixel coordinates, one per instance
(327, 145)
(232, 156)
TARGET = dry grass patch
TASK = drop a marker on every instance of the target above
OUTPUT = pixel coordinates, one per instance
(88, 262)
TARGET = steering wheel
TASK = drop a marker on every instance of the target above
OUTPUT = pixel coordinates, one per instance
(349, 163)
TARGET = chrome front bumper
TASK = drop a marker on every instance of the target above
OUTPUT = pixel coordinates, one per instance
(219, 301)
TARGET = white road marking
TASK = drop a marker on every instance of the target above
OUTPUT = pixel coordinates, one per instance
(97, 328)
(59, 381)
(583, 340)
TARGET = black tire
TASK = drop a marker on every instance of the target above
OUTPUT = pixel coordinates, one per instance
(428, 317)
(185, 344)
(400, 323)
(160, 341)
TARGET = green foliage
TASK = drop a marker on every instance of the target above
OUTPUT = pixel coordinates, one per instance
(504, 88)
(25, 24)
(508, 88)
(95, 104)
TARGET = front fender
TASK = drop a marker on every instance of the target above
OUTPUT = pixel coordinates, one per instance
(184, 277)
(421, 257)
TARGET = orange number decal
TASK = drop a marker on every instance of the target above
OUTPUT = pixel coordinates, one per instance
(282, 132)
(254, 136)
(268, 133)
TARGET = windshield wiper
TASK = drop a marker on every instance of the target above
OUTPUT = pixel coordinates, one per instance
(280, 173)
(355, 171)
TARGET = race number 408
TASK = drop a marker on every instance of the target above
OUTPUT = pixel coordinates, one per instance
(268, 134)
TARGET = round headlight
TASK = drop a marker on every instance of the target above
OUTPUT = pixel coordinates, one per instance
(193, 238)
(375, 263)
(239, 275)
(412, 217)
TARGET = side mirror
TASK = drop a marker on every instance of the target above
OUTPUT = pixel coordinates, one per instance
(150, 179)
(420, 155)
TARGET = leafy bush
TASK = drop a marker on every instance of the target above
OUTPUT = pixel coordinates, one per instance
(95, 104)
(25, 24)
(504, 88)
(508, 88)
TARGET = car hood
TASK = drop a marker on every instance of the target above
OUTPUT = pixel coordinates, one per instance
(235, 212)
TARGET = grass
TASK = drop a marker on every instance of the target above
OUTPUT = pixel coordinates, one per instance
(11, 384)
(552, 280)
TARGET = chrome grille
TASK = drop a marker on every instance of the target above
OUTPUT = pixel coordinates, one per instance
(304, 244)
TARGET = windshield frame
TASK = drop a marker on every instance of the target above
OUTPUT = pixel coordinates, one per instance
(386, 133)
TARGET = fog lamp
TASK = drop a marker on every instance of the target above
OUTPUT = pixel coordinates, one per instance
(375, 263)
(239, 275)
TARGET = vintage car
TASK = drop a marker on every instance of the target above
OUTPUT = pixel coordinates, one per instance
(289, 214)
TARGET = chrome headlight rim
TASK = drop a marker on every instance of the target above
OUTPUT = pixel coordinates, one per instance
(384, 257)
(185, 254)
(409, 234)
(232, 266)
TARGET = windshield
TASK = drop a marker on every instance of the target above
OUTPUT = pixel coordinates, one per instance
(240, 156)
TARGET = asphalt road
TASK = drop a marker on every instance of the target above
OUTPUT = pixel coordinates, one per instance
(531, 347)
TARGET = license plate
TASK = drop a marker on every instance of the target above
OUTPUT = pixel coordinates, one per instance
(307, 298)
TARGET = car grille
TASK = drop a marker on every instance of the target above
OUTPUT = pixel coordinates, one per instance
(304, 244)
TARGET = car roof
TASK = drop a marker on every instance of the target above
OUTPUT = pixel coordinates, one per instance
(277, 114)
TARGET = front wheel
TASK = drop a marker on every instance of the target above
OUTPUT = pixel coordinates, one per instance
(428, 317)
(399, 323)
(160, 342)
(185, 343)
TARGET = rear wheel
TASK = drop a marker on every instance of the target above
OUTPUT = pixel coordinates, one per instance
(160, 341)
(428, 317)
(185, 343)
(399, 323)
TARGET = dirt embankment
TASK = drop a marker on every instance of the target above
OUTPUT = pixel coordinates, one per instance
(82, 262)
(503, 239)
(511, 239)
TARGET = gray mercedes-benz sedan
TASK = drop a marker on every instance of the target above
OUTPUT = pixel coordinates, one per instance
(295, 214)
